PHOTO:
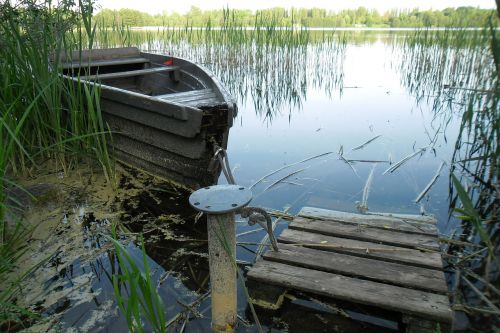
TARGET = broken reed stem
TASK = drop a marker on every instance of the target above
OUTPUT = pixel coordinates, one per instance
(404, 160)
(349, 164)
(361, 146)
(363, 207)
(431, 183)
(287, 166)
(481, 295)
(283, 178)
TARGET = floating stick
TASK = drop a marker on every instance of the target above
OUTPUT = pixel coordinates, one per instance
(289, 165)
(404, 160)
(366, 143)
(430, 184)
(281, 179)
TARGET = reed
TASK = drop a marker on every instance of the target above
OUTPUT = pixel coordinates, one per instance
(42, 116)
(476, 162)
(143, 303)
(457, 72)
(229, 46)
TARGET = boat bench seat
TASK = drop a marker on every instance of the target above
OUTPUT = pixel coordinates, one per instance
(105, 62)
(137, 72)
(193, 98)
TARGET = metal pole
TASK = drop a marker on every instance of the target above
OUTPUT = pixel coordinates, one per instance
(222, 256)
(220, 202)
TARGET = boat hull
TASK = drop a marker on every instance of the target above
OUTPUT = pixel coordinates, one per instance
(164, 120)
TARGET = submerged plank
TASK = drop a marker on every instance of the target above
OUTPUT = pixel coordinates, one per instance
(363, 249)
(407, 223)
(371, 269)
(403, 300)
(365, 233)
(417, 218)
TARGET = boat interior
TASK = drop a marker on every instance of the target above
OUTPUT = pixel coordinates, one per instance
(167, 78)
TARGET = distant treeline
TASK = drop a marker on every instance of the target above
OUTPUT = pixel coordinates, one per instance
(314, 17)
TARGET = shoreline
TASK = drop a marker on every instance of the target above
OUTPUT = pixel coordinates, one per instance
(149, 28)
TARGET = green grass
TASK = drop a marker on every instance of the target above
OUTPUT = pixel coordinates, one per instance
(135, 292)
(43, 116)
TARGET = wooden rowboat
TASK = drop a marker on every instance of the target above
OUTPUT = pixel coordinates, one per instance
(166, 113)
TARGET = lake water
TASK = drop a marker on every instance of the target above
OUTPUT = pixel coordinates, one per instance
(344, 100)
(300, 96)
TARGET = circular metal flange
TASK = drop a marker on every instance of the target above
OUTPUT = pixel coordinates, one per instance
(220, 199)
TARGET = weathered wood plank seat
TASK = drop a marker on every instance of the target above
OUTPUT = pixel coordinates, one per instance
(192, 98)
(137, 72)
(391, 263)
(105, 62)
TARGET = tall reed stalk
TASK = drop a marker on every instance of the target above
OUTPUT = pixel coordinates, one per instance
(458, 72)
(42, 116)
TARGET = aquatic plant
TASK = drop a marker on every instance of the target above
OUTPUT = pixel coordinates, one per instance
(299, 56)
(477, 159)
(142, 301)
(457, 72)
(44, 119)
(59, 119)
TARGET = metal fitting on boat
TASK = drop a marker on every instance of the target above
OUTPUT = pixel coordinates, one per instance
(220, 202)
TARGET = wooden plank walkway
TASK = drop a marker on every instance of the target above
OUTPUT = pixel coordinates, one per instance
(383, 261)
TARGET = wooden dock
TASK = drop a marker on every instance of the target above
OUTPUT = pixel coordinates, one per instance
(387, 262)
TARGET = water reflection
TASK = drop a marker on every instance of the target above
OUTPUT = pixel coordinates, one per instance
(408, 88)
(457, 71)
(271, 70)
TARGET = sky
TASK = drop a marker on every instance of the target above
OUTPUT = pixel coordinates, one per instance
(182, 6)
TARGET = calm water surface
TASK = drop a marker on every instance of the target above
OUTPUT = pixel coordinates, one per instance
(329, 95)
(369, 101)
